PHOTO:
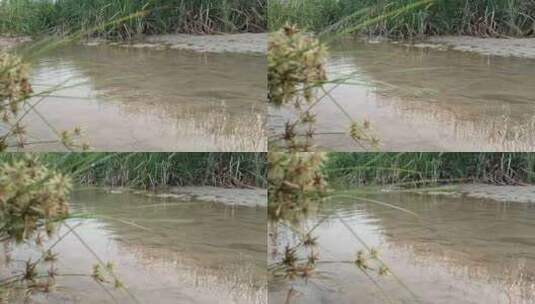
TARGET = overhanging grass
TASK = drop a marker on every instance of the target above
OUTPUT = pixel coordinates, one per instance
(32, 17)
(407, 18)
(357, 169)
(151, 170)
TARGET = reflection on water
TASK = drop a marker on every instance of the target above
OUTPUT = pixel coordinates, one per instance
(149, 100)
(457, 250)
(165, 251)
(428, 100)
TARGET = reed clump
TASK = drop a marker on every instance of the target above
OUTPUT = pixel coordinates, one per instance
(408, 18)
(28, 17)
(160, 170)
(417, 169)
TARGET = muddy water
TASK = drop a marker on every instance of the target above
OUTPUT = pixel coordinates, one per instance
(427, 99)
(164, 251)
(455, 251)
(151, 100)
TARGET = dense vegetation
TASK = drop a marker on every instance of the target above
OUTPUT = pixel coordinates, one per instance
(150, 170)
(127, 18)
(408, 18)
(387, 168)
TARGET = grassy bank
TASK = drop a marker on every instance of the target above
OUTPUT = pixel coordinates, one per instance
(407, 18)
(150, 170)
(127, 18)
(356, 169)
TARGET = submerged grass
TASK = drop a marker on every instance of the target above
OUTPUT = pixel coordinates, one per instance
(29, 17)
(357, 169)
(407, 18)
(152, 170)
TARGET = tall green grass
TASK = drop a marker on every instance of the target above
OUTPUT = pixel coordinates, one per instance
(357, 169)
(407, 18)
(152, 170)
(32, 17)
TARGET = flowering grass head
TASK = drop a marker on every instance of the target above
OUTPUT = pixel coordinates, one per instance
(296, 65)
(32, 198)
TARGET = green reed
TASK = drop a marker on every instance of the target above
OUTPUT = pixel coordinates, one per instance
(28, 17)
(423, 168)
(151, 170)
(408, 18)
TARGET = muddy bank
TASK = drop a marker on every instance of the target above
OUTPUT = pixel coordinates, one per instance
(256, 197)
(10, 42)
(513, 47)
(247, 43)
(234, 43)
(517, 194)
(238, 197)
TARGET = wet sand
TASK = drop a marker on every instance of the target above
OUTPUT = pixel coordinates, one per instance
(234, 43)
(247, 43)
(250, 197)
(10, 42)
(229, 196)
(513, 47)
(513, 194)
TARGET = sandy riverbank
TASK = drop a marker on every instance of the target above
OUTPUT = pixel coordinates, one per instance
(248, 43)
(517, 194)
(10, 42)
(255, 197)
(513, 47)
(233, 43)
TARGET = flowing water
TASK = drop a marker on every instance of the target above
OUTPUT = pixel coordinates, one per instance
(164, 251)
(128, 99)
(426, 99)
(456, 250)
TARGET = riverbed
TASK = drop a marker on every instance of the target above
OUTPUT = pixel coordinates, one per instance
(442, 249)
(164, 250)
(148, 99)
(424, 99)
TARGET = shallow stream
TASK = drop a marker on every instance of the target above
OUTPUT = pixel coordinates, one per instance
(164, 251)
(454, 250)
(425, 99)
(129, 99)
